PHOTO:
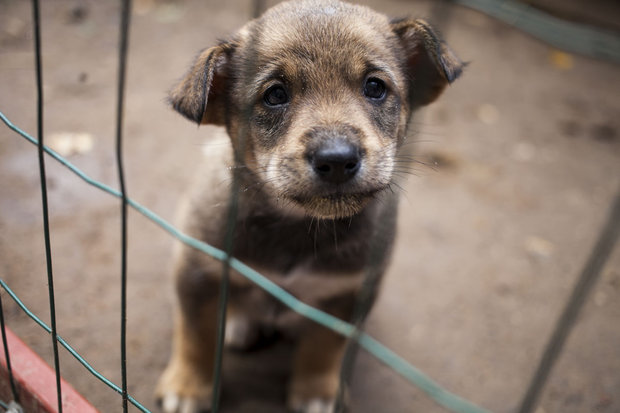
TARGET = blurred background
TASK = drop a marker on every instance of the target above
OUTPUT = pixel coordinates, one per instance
(519, 162)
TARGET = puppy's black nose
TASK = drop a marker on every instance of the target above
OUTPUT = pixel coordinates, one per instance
(336, 161)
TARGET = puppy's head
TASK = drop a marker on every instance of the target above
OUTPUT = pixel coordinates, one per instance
(316, 96)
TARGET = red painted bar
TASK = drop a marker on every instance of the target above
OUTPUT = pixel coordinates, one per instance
(36, 382)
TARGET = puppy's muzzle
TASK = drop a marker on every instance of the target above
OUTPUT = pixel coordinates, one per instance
(335, 161)
(335, 180)
(334, 154)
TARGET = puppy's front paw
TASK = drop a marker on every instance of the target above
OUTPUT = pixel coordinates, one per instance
(312, 406)
(317, 395)
(173, 403)
(182, 390)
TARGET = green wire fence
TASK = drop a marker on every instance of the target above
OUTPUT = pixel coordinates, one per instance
(382, 353)
(454, 403)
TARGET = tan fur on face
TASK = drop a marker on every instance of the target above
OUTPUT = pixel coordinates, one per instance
(300, 58)
(322, 52)
(289, 176)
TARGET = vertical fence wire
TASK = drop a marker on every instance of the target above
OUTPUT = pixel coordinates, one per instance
(43, 182)
(220, 335)
(122, 69)
(223, 296)
(589, 275)
(379, 249)
(7, 356)
(364, 301)
(258, 7)
(231, 223)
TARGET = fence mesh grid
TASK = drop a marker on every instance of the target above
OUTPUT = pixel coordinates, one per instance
(378, 350)
(589, 275)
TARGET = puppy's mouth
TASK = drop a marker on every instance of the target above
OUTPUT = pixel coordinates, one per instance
(337, 204)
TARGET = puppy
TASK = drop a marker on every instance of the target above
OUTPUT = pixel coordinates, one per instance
(315, 98)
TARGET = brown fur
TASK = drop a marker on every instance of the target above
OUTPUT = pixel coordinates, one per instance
(306, 229)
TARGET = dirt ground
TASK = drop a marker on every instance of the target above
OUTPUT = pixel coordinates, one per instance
(524, 155)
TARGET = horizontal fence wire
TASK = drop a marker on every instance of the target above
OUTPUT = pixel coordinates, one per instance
(435, 391)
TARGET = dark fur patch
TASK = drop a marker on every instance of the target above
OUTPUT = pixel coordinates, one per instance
(270, 124)
(429, 62)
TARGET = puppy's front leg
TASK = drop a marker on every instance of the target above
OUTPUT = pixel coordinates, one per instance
(186, 384)
(318, 360)
(316, 371)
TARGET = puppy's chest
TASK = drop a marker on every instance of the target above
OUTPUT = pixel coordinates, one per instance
(282, 244)
(315, 261)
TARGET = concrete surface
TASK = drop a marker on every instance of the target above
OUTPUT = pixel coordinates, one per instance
(524, 159)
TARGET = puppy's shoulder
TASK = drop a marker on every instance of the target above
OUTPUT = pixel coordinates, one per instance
(206, 202)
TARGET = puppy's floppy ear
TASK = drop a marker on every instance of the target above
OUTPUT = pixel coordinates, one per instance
(429, 62)
(200, 94)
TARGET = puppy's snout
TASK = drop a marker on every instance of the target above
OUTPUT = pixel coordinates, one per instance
(336, 161)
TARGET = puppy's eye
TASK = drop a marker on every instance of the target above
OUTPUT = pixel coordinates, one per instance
(275, 96)
(375, 89)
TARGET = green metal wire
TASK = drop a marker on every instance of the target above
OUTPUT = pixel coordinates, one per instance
(588, 278)
(122, 70)
(378, 350)
(379, 250)
(43, 182)
(7, 355)
(68, 347)
(222, 304)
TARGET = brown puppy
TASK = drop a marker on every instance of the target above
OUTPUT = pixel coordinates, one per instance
(315, 97)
